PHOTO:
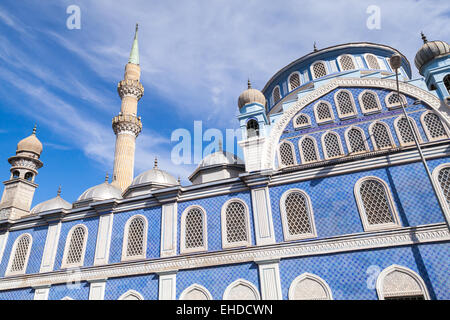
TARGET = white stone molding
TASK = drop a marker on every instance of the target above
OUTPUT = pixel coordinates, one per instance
(440, 192)
(289, 80)
(51, 247)
(41, 293)
(316, 114)
(284, 219)
(262, 216)
(399, 136)
(183, 248)
(294, 157)
(338, 105)
(126, 232)
(296, 126)
(196, 292)
(104, 236)
(362, 212)
(394, 105)
(97, 289)
(399, 281)
(362, 105)
(167, 286)
(269, 277)
(427, 131)
(241, 290)
(341, 67)
(3, 241)
(308, 286)
(341, 148)
(372, 136)
(13, 253)
(312, 69)
(64, 263)
(223, 220)
(131, 295)
(347, 140)
(169, 229)
(302, 154)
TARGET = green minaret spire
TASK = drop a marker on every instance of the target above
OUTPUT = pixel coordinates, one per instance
(134, 55)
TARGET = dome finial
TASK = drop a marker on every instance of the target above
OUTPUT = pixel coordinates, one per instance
(107, 178)
(249, 84)
(34, 129)
(315, 47)
(155, 166)
(179, 180)
(220, 145)
(424, 38)
(58, 194)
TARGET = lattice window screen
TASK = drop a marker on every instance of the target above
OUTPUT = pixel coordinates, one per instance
(135, 244)
(236, 225)
(444, 181)
(356, 140)
(375, 202)
(309, 150)
(332, 146)
(276, 94)
(20, 255)
(435, 126)
(294, 81)
(345, 103)
(347, 63)
(301, 120)
(447, 83)
(381, 136)
(323, 111)
(76, 246)
(286, 154)
(319, 70)
(372, 61)
(194, 229)
(369, 101)
(406, 135)
(297, 214)
(395, 100)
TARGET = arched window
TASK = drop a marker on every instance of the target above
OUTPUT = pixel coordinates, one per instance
(356, 140)
(75, 247)
(393, 100)
(276, 94)
(195, 292)
(442, 175)
(235, 224)
(319, 69)
(323, 113)
(375, 204)
(302, 121)
(297, 215)
(381, 136)
(135, 238)
(131, 295)
(372, 62)
(294, 81)
(252, 128)
(286, 154)
(332, 147)
(404, 134)
(193, 230)
(369, 102)
(241, 290)
(447, 83)
(29, 176)
(400, 283)
(309, 287)
(346, 62)
(19, 255)
(433, 126)
(308, 150)
(345, 104)
(16, 174)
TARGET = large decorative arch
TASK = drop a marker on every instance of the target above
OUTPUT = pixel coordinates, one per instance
(398, 282)
(309, 287)
(271, 142)
(241, 290)
(195, 292)
(131, 295)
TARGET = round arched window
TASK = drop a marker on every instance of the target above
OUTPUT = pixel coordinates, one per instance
(29, 176)
(16, 174)
(252, 128)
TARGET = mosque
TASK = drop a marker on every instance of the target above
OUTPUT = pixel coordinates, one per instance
(331, 201)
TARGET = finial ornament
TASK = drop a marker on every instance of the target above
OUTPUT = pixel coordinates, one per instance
(249, 84)
(315, 47)
(220, 145)
(107, 178)
(179, 180)
(424, 38)
(155, 166)
(34, 129)
(59, 191)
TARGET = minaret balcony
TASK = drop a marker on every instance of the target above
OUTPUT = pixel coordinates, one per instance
(130, 88)
(127, 123)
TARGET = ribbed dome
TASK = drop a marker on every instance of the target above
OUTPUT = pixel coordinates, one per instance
(155, 175)
(52, 204)
(102, 191)
(429, 51)
(30, 144)
(251, 96)
(220, 158)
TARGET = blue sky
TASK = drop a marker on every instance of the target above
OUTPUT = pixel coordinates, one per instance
(195, 57)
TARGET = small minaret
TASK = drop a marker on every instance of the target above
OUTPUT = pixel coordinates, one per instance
(127, 125)
(19, 189)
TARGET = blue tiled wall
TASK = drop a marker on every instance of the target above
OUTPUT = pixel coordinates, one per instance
(20, 294)
(76, 291)
(146, 285)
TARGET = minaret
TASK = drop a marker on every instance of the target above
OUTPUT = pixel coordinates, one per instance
(19, 189)
(127, 125)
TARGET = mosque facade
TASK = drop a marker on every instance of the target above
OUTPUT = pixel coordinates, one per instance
(331, 200)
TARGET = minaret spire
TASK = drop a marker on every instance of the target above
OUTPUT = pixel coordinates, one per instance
(134, 54)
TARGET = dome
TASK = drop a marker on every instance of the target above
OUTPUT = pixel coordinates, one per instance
(251, 96)
(102, 191)
(156, 176)
(52, 204)
(429, 51)
(30, 144)
(220, 158)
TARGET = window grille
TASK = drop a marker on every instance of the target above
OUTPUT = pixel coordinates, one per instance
(394, 100)
(332, 145)
(444, 181)
(297, 214)
(308, 149)
(406, 135)
(372, 61)
(236, 225)
(194, 229)
(447, 83)
(135, 243)
(286, 154)
(375, 202)
(20, 254)
(276, 94)
(356, 140)
(319, 70)
(347, 63)
(344, 102)
(294, 81)
(381, 136)
(323, 112)
(434, 126)
(301, 120)
(76, 246)
(369, 101)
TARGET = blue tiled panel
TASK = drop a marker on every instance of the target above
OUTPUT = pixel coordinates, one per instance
(76, 291)
(38, 235)
(350, 275)
(146, 285)
(92, 226)
(213, 207)
(153, 216)
(334, 204)
(20, 294)
(217, 279)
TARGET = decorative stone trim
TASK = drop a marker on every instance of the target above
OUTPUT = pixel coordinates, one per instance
(130, 88)
(127, 124)
(313, 277)
(244, 283)
(196, 287)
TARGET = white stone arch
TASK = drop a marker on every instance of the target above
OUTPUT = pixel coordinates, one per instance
(316, 149)
(372, 136)
(341, 149)
(67, 298)
(269, 151)
(126, 235)
(183, 248)
(397, 281)
(394, 105)
(441, 194)
(317, 62)
(338, 104)
(316, 114)
(415, 128)
(196, 292)
(225, 243)
(131, 295)
(294, 156)
(341, 67)
(427, 131)
(307, 125)
(347, 140)
(308, 286)
(241, 290)
(64, 263)
(13, 253)
(362, 105)
(299, 80)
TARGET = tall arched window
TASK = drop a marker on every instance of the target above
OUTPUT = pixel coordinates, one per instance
(294, 81)
(16, 174)
(447, 83)
(375, 204)
(433, 126)
(372, 62)
(356, 140)
(195, 292)
(442, 175)
(252, 128)
(309, 287)
(404, 134)
(345, 104)
(332, 147)
(235, 224)
(319, 69)
(393, 100)
(369, 102)
(346, 62)
(297, 215)
(193, 230)
(381, 136)
(135, 238)
(276, 94)
(75, 247)
(323, 112)
(286, 154)
(308, 150)
(20, 253)
(302, 121)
